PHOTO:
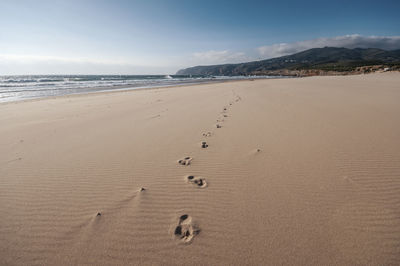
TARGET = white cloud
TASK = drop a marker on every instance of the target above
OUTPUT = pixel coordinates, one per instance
(347, 41)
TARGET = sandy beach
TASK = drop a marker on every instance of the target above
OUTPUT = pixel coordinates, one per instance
(292, 172)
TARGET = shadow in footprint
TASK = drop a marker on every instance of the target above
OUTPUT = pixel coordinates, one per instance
(185, 161)
(199, 182)
(256, 151)
(204, 145)
(185, 230)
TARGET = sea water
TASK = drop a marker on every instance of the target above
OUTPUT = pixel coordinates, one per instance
(21, 87)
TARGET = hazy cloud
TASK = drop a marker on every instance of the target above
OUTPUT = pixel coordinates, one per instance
(218, 57)
(347, 41)
(26, 59)
(42, 64)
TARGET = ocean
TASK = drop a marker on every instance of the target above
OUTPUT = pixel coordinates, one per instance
(22, 87)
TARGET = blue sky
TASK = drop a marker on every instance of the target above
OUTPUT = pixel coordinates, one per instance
(148, 37)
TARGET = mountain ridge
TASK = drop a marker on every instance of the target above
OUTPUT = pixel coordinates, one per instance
(318, 59)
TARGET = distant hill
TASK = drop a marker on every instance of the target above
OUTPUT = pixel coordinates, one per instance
(324, 59)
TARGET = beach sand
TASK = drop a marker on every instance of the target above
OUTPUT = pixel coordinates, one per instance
(298, 172)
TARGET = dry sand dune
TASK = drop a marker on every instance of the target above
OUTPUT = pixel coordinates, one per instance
(293, 171)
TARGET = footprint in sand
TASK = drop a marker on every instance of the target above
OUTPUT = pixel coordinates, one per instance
(155, 116)
(208, 134)
(199, 182)
(185, 161)
(204, 145)
(186, 229)
(218, 126)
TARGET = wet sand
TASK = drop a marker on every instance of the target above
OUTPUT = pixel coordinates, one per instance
(274, 172)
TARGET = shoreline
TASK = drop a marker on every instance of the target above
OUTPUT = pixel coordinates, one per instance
(122, 88)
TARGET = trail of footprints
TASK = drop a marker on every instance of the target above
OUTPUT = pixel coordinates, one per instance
(185, 230)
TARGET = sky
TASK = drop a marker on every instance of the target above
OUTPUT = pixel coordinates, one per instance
(161, 37)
